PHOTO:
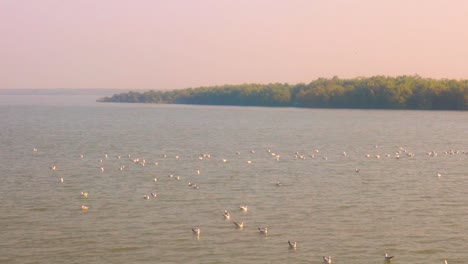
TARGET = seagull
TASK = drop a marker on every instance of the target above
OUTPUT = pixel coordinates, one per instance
(102, 169)
(357, 170)
(61, 180)
(327, 260)
(446, 262)
(243, 208)
(292, 244)
(239, 225)
(84, 207)
(35, 149)
(196, 230)
(263, 230)
(227, 215)
(146, 197)
(387, 257)
(155, 179)
(278, 184)
(439, 175)
(84, 194)
(154, 194)
(53, 167)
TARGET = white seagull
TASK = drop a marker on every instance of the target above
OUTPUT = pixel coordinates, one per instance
(327, 260)
(227, 215)
(196, 230)
(387, 257)
(243, 208)
(263, 230)
(239, 225)
(292, 244)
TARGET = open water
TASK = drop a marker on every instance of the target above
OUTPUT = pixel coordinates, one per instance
(409, 197)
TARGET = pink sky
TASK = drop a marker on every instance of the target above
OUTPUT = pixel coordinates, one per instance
(170, 44)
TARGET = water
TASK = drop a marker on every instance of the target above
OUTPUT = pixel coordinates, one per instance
(399, 206)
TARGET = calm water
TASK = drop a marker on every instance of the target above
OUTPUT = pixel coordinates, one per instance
(399, 206)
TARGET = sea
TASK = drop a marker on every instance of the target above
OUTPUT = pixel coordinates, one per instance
(349, 184)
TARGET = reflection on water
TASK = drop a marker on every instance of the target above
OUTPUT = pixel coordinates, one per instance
(384, 195)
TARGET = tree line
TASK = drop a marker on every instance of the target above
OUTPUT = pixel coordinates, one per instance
(378, 92)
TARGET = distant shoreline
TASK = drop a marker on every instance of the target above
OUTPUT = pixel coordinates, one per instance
(62, 91)
(378, 92)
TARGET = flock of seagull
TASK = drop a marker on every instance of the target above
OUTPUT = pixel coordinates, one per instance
(244, 208)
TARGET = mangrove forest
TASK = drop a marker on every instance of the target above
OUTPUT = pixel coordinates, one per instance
(378, 92)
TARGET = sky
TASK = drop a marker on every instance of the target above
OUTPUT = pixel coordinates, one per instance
(173, 44)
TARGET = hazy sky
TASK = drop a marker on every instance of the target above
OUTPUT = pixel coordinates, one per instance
(155, 44)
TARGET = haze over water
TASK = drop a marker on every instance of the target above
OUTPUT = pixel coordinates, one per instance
(395, 205)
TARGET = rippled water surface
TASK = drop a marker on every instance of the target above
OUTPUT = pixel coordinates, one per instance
(395, 205)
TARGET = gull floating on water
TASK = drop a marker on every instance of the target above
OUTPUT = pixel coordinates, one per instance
(84, 207)
(84, 194)
(227, 215)
(327, 260)
(239, 225)
(387, 257)
(243, 208)
(196, 230)
(263, 230)
(292, 244)
(61, 180)
(146, 197)
(154, 194)
(446, 262)
(35, 149)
